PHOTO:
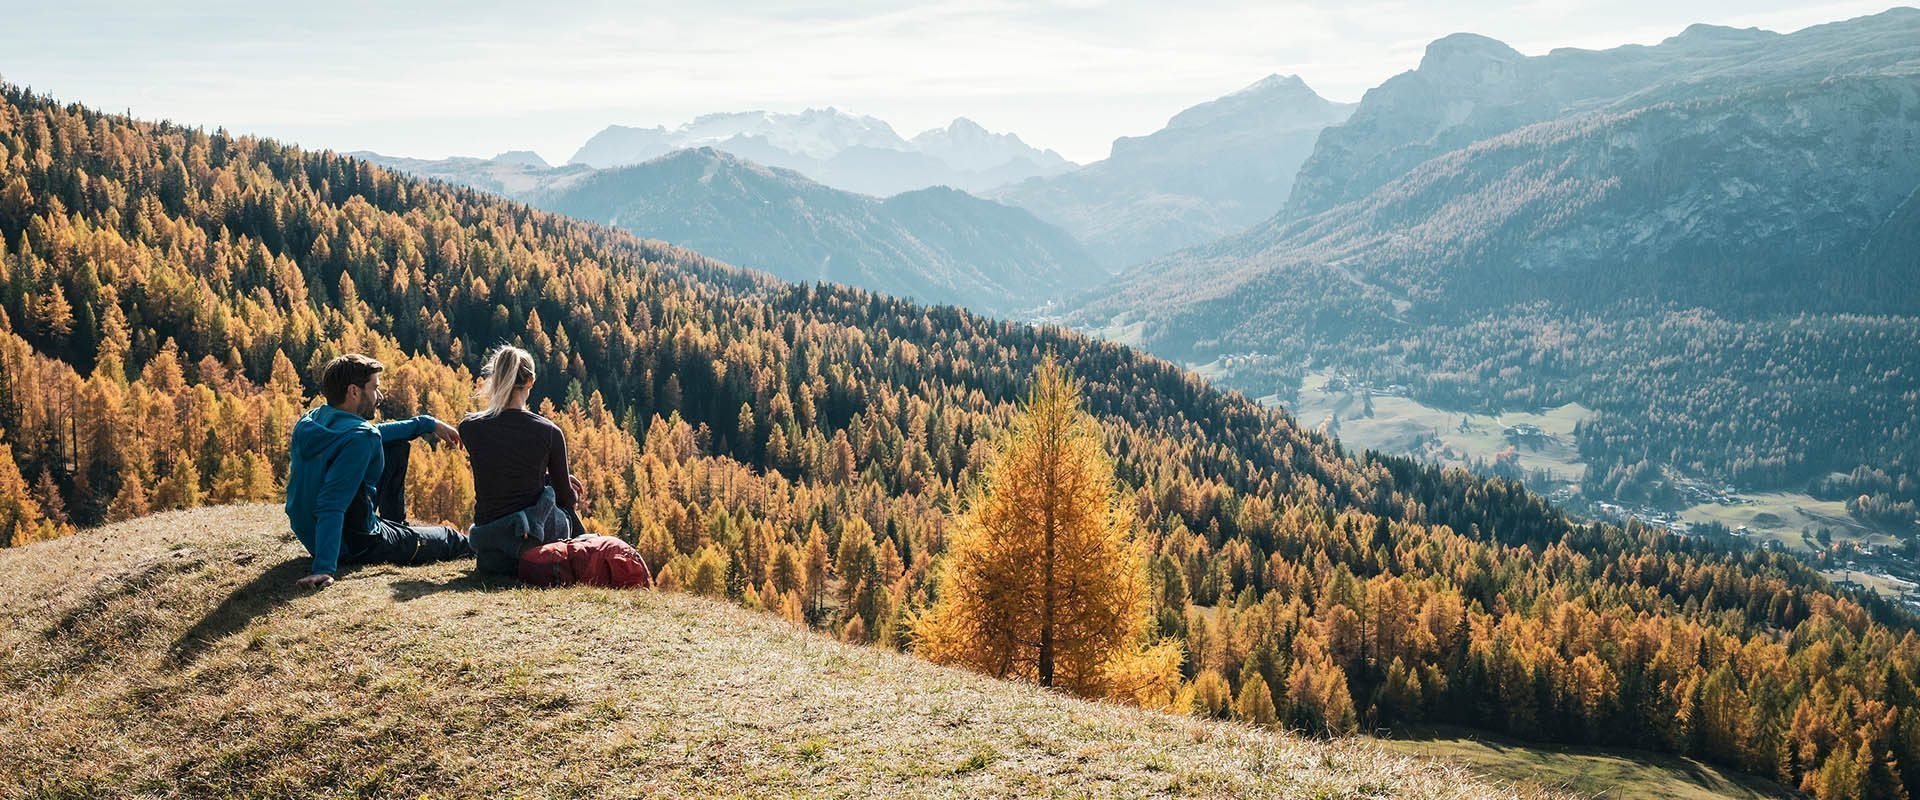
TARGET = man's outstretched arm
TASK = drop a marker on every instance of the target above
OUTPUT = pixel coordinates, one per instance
(410, 429)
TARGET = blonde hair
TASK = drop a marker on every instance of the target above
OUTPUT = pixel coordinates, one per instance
(509, 368)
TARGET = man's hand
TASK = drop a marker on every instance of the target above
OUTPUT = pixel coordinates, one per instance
(447, 433)
(579, 491)
(315, 581)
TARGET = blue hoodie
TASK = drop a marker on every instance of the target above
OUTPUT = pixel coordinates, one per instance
(337, 458)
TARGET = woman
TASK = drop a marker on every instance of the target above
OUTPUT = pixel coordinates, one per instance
(523, 495)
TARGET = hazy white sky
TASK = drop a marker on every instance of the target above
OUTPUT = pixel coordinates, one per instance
(433, 79)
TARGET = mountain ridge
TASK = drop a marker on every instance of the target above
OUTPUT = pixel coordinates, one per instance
(1470, 87)
(936, 244)
(1646, 159)
(1739, 188)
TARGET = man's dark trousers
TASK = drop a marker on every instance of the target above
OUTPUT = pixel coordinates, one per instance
(391, 540)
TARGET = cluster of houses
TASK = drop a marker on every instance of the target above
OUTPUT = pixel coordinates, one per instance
(1646, 515)
(1703, 493)
(1342, 383)
(1526, 433)
(1881, 561)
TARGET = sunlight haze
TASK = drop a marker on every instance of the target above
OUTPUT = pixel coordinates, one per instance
(437, 79)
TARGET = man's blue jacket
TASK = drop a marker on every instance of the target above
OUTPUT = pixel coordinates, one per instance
(337, 458)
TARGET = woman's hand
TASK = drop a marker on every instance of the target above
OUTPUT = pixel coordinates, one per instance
(579, 492)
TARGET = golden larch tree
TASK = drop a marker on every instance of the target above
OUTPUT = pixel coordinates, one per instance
(1043, 580)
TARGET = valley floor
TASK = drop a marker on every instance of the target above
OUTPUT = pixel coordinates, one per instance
(1585, 771)
(1399, 425)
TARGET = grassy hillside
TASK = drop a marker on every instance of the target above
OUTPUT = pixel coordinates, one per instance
(181, 662)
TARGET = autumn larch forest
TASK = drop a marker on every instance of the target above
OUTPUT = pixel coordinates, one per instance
(168, 294)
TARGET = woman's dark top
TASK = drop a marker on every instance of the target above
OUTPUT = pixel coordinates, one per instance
(514, 454)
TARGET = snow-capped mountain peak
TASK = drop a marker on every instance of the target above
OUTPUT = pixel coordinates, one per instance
(850, 151)
(965, 144)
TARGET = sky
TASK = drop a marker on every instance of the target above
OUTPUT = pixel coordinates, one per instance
(475, 78)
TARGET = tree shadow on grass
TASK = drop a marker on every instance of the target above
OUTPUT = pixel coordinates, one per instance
(267, 591)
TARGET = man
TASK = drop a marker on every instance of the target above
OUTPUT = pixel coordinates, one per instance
(345, 469)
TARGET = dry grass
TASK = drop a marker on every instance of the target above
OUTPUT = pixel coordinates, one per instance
(184, 664)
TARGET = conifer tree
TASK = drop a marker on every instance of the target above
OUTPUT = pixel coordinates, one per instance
(1212, 696)
(131, 501)
(709, 576)
(816, 587)
(1255, 703)
(1042, 580)
(47, 494)
(20, 517)
(229, 481)
(180, 488)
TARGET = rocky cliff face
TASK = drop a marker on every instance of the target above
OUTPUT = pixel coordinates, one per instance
(1761, 198)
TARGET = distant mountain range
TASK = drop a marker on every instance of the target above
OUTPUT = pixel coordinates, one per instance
(515, 173)
(846, 151)
(1726, 168)
(935, 244)
(1710, 241)
(1470, 88)
(790, 194)
(1214, 170)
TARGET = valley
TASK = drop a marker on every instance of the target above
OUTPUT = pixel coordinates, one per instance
(1537, 448)
(1540, 450)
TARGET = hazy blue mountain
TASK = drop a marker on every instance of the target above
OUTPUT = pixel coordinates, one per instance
(1214, 170)
(620, 144)
(936, 244)
(511, 174)
(965, 145)
(524, 158)
(853, 152)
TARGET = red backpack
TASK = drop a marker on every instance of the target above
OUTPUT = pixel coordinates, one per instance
(592, 560)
